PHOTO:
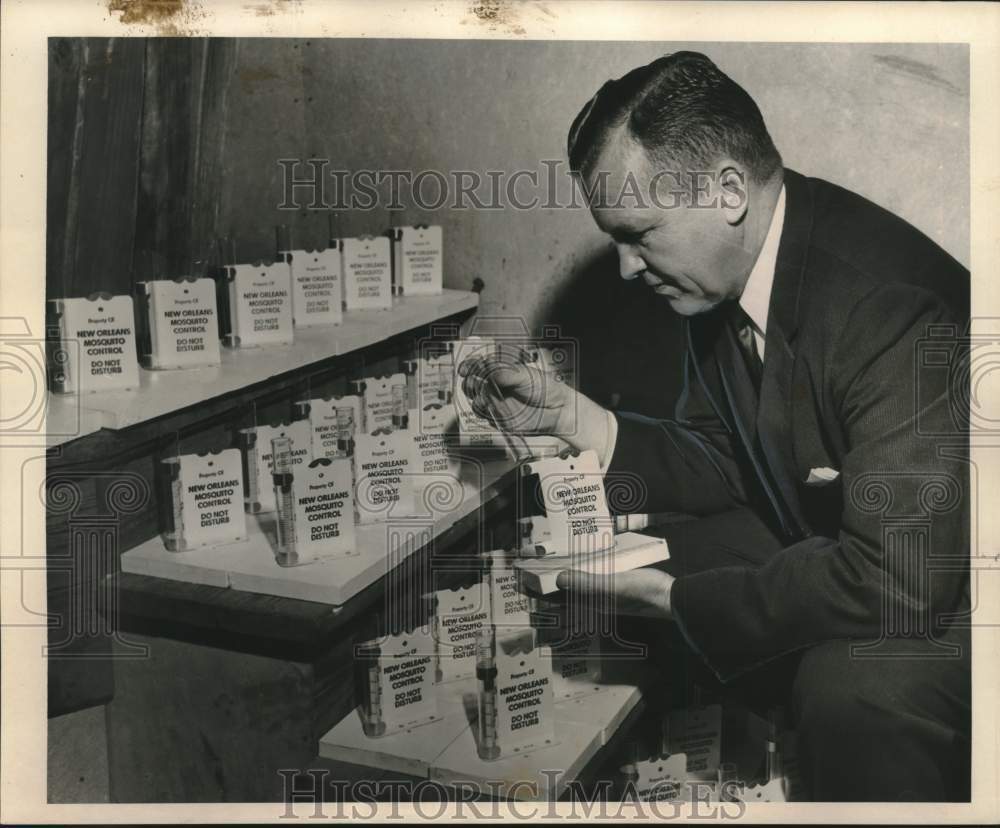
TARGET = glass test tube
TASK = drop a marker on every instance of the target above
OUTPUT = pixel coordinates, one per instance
(173, 533)
(400, 415)
(284, 500)
(345, 431)
(371, 701)
(486, 673)
(248, 451)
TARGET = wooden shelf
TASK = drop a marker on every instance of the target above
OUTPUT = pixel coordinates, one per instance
(250, 566)
(165, 392)
(67, 418)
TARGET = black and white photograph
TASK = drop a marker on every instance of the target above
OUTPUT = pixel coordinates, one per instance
(496, 410)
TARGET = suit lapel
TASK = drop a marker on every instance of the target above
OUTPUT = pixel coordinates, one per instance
(736, 382)
(713, 336)
(774, 414)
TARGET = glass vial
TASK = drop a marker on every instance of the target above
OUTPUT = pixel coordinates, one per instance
(486, 673)
(171, 504)
(370, 690)
(284, 500)
(345, 431)
(400, 414)
(248, 452)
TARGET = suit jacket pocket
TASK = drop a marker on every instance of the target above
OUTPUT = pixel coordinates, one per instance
(822, 506)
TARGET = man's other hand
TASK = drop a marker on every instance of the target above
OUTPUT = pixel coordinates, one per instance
(642, 592)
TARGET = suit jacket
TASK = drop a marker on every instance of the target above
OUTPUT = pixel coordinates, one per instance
(859, 299)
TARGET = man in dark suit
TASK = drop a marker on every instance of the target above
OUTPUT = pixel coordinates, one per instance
(806, 402)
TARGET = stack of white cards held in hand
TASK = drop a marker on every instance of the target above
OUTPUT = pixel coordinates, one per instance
(580, 530)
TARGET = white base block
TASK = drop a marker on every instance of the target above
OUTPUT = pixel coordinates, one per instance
(408, 751)
(445, 750)
(520, 776)
(537, 576)
(608, 704)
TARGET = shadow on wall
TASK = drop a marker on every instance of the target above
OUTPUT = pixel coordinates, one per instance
(631, 344)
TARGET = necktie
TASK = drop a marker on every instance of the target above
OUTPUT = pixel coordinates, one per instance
(748, 344)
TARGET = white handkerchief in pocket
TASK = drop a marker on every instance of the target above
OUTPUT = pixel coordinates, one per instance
(821, 476)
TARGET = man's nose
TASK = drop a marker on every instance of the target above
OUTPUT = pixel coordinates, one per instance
(630, 264)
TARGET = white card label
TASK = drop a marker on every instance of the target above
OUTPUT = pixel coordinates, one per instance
(367, 273)
(324, 509)
(420, 260)
(323, 422)
(575, 667)
(437, 478)
(572, 491)
(378, 400)
(316, 287)
(103, 330)
(383, 464)
(260, 304)
(407, 679)
(511, 608)
(431, 426)
(208, 499)
(525, 710)
(661, 779)
(697, 731)
(300, 454)
(773, 791)
(183, 323)
(461, 613)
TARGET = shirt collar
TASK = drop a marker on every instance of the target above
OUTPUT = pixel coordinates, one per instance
(756, 294)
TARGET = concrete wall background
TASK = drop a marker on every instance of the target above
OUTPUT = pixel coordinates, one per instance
(889, 121)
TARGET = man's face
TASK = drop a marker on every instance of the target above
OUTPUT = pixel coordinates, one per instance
(689, 254)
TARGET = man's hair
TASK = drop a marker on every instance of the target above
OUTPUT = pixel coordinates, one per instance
(683, 111)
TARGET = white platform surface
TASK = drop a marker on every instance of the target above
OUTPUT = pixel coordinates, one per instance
(609, 705)
(250, 565)
(163, 392)
(409, 751)
(445, 751)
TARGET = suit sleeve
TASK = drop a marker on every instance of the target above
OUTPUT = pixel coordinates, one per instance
(685, 464)
(905, 491)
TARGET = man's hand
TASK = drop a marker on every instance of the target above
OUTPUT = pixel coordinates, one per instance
(643, 592)
(522, 399)
(516, 397)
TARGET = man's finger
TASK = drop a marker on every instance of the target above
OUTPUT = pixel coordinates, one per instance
(577, 580)
(467, 366)
(504, 374)
(471, 385)
(481, 407)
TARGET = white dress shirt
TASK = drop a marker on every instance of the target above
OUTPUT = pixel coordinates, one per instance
(756, 294)
(754, 300)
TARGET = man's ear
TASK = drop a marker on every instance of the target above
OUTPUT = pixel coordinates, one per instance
(733, 192)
